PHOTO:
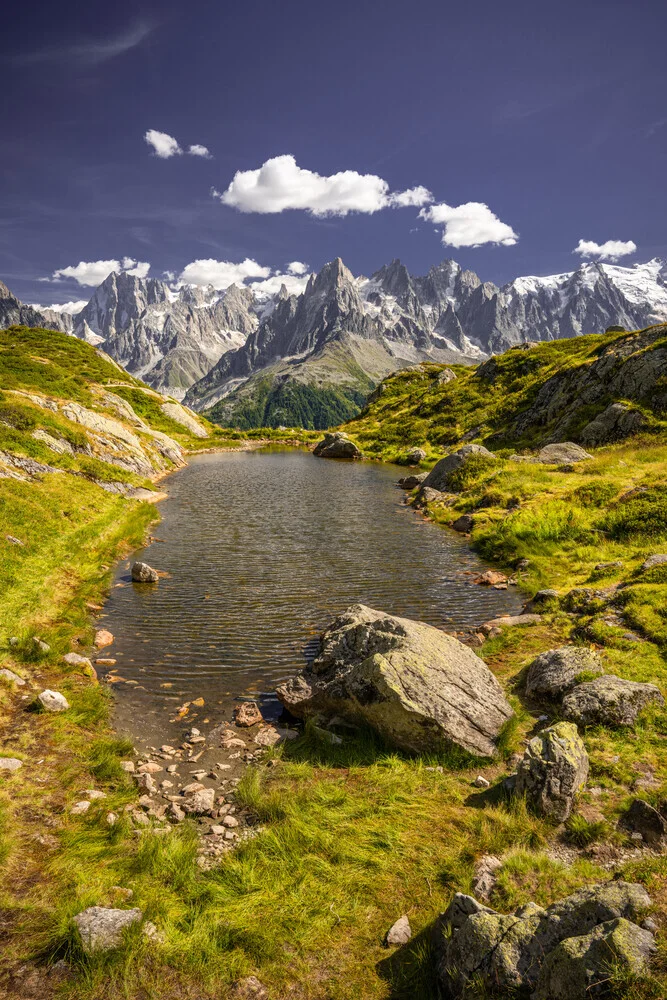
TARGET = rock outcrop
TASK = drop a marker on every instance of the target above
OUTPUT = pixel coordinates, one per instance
(553, 771)
(505, 953)
(418, 687)
(609, 700)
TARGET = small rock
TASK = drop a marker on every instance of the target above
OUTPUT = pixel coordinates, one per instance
(200, 802)
(601, 567)
(337, 445)
(9, 675)
(111, 818)
(415, 456)
(79, 808)
(481, 782)
(655, 560)
(53, 701)
(485, 875)
(153, 934)
(248, 714)
(149, 768)
(13, 540)
(101, 928)
(175, 813)
(13, 641)
(165, 785)
(249, 988)
(230, 821)
(143, 573)
(127, 765)
(172, 768)
(94, 793)
(649, 924)
(10, 763)
(464, 523)
(105, 661)
(562, 453)
(412, 482)
(217, 830)
(103, 638)
(145, 783)
(641, 817)
(399, 933)
(75, 660)
(41, 646)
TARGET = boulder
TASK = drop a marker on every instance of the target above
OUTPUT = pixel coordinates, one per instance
(415, 456)
(53, 701)
(609, 700)
(562, 453)
(553, 673)
(426, 495)
(579, 967)
(399, 933)
(616, 422)
(143, 573)
(10, 676)
(464, 523)
(337, 445)
(438, 477)
(76, 660)
(101, 927)
(412, 482)
(505, 953)
(553, 771)
(642, 818)
(420, 688)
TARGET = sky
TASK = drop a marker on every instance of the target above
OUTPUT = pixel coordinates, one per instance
(217, 141)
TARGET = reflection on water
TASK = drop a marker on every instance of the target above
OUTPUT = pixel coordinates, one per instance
(263, 549)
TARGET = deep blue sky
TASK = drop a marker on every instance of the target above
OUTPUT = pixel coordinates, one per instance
(554, 115)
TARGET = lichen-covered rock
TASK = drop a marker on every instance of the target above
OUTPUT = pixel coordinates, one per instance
(336, 445)
(438, 477)
(587, 600)
(616, 422)
(562, 453)
(579, 967)
(501, 952)
(143, 573)
(554, 672)
(101, 928)
(553, 771)
(609, 700)
(419, 687)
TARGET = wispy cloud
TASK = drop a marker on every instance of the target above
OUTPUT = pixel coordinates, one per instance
(87, 52)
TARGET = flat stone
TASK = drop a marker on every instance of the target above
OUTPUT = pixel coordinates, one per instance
(9, 675)
(103, 638)
(53, 701)
(10, 763)
(101, 928)
(507, 621)
(399, 933)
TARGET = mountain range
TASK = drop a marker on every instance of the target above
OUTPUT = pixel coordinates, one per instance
(251, 359)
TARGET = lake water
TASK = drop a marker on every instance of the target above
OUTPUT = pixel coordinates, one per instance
(263, 549)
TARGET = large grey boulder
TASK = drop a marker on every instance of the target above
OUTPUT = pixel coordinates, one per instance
(554, 672)
(580, 967)
(101, 927)
(476, 945)
(143, 573)
(609, 700)
(553, 771)
(438, 477)
(562, 453)
(420, 688)
(336, 445)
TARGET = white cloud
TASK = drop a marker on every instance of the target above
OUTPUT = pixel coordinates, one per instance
(199, 150)
(611, 250)
(71, 308)
(294, 283)
(297, 267)
(86, 51)
(169, 275)
(164, 146)
(92, 273)
(222, 273)
(469, 225)
(415, 197)
(280, 184)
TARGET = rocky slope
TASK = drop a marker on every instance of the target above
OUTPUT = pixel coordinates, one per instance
(13, 312)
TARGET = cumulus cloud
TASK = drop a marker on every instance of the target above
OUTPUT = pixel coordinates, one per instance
(281, 184)
(199, 150)
(163, 145)
(294, 283)
(222, 273)
(71, 308)
(93, 272)
(611, 250)
(415, 197)
(297, 267)
(469, 225)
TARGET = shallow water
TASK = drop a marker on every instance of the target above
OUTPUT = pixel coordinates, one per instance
(262, 550)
